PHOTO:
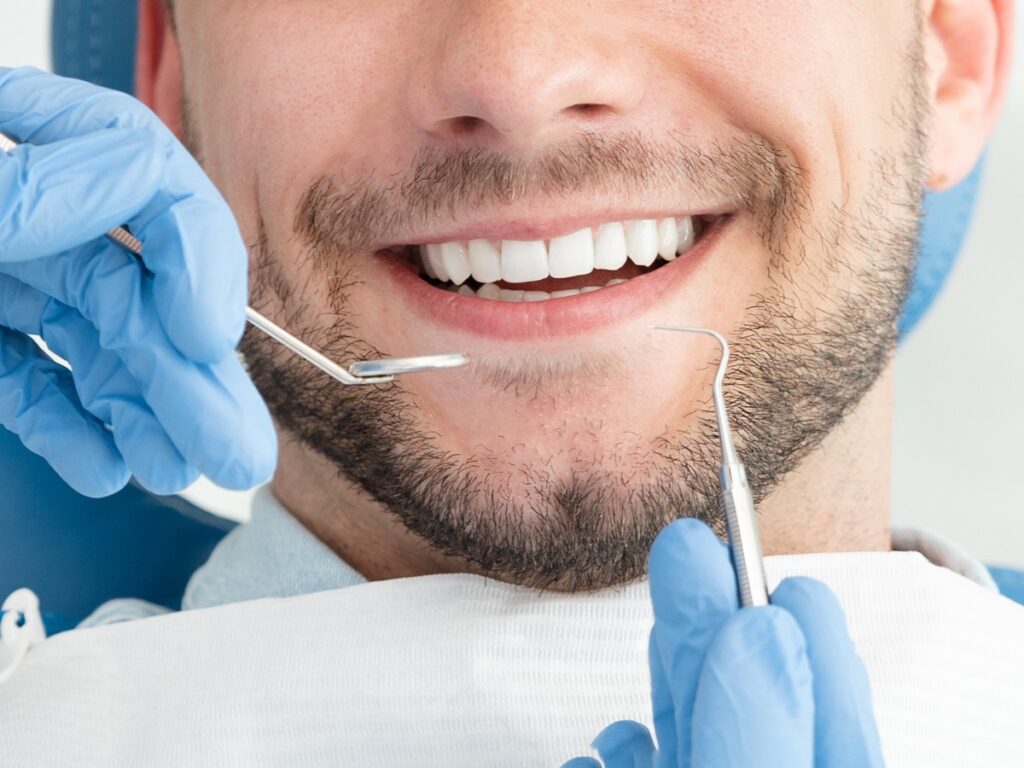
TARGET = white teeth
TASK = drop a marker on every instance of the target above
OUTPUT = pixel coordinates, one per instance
(668, 239)
(607, 247)
(572, 255)
(523, 261)
(492, 292)
(610, 246)
(453, 255)
(436, 262)
(488, 291)
(484, 261)
(425, 263)
(685, 233)
(642, 241)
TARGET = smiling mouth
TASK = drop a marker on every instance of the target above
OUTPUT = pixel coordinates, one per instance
(563, 267)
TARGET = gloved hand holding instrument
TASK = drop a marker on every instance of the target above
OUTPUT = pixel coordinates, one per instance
(155, 389)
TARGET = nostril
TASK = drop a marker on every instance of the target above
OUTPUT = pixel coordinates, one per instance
(466, 124)
(588, 110)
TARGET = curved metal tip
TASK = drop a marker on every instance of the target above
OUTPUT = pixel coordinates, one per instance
(694, 329)
(723, 361)
(729, 455)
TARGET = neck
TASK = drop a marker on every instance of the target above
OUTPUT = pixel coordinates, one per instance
(355, 526)
(836, 500)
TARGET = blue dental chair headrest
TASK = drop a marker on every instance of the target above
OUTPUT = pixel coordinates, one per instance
(77, 553)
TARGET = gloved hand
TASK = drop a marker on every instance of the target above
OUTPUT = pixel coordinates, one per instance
(759, 687)
(156, 390)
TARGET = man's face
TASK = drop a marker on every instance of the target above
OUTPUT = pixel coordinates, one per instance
(347, 135)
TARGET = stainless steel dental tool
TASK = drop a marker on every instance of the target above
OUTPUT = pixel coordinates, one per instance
(740, 516)
(362, 372)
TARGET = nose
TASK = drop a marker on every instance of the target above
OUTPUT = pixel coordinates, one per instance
(519, 72)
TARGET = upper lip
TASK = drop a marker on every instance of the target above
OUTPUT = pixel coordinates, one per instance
(541, 224)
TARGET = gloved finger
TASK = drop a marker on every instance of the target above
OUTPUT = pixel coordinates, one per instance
(107, 284)
(192, 245)
(58, 196)
(38, 403)
(102, 384)
(190, 238)
(109, 392)
(845, 731)
(625, 744)
(212, 415)
(582, 762)
(755, 699)
(40, 108)
(693, 590)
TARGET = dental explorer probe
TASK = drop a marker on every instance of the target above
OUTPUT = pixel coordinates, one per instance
(740, 517)
(362, 372)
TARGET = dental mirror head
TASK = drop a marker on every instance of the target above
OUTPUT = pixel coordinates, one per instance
(401, 365)
(380, 371)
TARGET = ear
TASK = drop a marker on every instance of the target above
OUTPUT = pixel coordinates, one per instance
(968, 49)
(158, 82)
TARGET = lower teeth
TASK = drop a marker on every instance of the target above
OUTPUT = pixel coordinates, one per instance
(494, 293)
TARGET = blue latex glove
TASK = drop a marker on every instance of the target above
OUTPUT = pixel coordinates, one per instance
(780, 686)
(157, 390)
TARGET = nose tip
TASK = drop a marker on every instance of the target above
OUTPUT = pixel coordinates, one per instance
(521, 75)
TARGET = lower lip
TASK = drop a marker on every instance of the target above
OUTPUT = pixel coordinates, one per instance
(555, 317)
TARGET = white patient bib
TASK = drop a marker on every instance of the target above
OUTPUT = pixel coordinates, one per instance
(462, 671)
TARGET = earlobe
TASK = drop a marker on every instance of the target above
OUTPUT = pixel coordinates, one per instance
(968, 47)
(158, 76)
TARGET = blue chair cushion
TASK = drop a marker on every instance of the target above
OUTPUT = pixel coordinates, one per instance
(77, 553)
(1011, 583)
(94, 40)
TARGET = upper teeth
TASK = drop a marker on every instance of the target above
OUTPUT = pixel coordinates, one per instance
(579, 253)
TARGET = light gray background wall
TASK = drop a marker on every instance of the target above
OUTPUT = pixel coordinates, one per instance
(959, 413)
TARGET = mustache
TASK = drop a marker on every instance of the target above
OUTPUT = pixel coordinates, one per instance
(336, 216)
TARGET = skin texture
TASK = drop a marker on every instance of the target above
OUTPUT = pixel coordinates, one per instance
(555, 460)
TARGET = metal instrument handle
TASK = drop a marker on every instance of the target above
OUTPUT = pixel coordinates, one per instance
(741, 521)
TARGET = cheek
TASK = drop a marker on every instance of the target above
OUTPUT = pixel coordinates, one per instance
(820, 79)
(282, 91)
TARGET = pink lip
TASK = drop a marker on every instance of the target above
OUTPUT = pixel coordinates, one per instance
(545, 319)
